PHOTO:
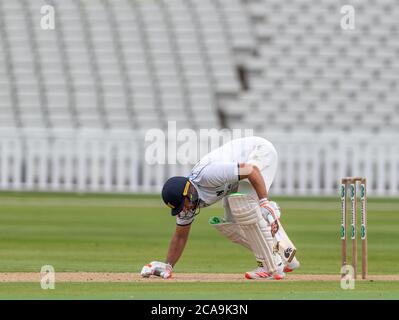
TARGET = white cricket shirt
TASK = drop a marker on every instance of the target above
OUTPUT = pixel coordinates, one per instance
(216, 174)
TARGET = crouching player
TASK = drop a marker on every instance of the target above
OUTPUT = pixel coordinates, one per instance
(247, 165)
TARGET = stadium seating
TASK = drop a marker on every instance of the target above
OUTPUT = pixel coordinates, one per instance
(121, 67)
(131, 64)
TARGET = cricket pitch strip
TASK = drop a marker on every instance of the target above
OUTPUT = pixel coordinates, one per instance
(178, 277)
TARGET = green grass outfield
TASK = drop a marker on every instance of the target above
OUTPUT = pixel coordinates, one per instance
(103, 233)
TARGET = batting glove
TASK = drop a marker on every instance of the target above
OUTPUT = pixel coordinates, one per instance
(271, 211)
(156, 268)
(163, 270)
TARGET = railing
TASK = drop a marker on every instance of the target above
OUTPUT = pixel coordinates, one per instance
(117, 163)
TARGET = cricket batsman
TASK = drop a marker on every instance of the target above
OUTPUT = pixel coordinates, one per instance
(248, 166)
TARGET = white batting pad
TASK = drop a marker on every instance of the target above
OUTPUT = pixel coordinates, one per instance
(247, 214)
(233, 232)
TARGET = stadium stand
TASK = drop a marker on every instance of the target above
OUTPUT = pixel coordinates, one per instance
(285, 69)
(137, 64)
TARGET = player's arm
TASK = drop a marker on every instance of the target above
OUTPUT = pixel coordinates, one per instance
(176, 247)
(177, 244)
(252, 173)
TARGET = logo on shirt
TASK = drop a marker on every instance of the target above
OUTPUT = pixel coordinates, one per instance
(219, 193)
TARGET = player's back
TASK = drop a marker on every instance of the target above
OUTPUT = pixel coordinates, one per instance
(237, 150)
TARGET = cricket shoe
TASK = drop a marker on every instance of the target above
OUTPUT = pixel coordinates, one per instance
(262, 273)
(293, 265)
